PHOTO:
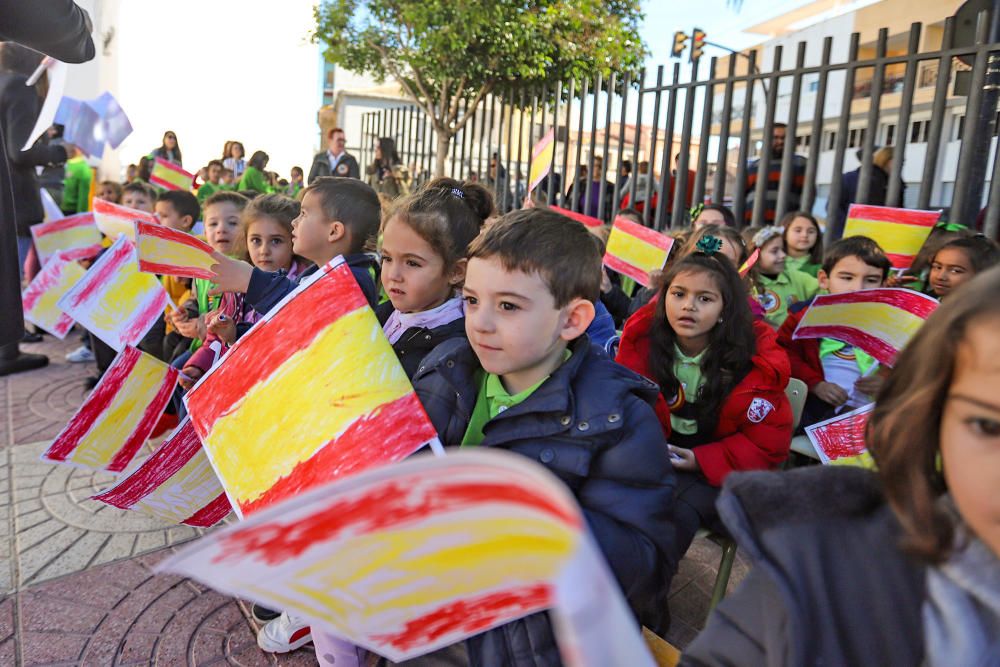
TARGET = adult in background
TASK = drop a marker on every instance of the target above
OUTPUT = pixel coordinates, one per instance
(335, 160)
(878, 188)
(798, 176)
(63, 32)
(387, 174)
(235, 161)
(169, 150)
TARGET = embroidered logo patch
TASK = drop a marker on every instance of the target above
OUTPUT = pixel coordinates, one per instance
(342, 169)
(769, 301)
(759, 409)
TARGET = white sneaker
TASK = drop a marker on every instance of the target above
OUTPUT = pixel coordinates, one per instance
(80, 355)
(283, 634)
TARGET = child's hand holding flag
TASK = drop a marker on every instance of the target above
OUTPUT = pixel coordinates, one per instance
(222, 326)
(231, 275)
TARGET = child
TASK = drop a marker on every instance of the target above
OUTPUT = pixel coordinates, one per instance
(775, 286)
(109, 191)
(527, 380)
(76, 185)
(228, 179)
(803, 243)
(139, 195)
(294, 186)
(733, 248)
(713, 214)
(722, 380)
(211, 184)
(339, 216)
(267, 227)
(254, 177)
(424, 244)
(924, 526)
(176, 209)
(839, 376)
(958, 262)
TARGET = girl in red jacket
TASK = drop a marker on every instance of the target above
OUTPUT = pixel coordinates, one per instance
(722, 381)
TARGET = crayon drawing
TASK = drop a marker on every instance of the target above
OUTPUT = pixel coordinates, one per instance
(173, 253)
(114, 220)
(75, 237)
(634, 250)
(43, 293)
(900, 232)
(841, 438)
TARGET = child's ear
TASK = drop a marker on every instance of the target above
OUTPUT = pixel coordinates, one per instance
(823, 279)
(580, 313)
(457, 274)
(338, 231)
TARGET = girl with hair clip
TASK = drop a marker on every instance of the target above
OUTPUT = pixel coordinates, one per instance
(774, 284)
(803, 243)
(424, 243)
(898, 567)
(735, 250)
(722, 381)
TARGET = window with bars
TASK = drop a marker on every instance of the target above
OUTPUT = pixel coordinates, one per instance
(918, 131)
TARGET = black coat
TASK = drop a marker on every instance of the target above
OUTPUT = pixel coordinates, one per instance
(416, 343)
(592, 424)
(321, 167)
(829, 584)
(62, 31)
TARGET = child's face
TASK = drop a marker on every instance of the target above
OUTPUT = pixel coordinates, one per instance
(413, 274)
(801, 235)
(772, 257)
(213, 173)
(169, 217)
(513, 324)
(222, 223)
(709, 217)
(227, 177)
(313, 236)
(693, 305)
(269, 244)
(138, 200)
(950, 269)
(850, 274)
(107, 193)
(970, 431)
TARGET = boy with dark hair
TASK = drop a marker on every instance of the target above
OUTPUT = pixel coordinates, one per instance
(177, 209)
(139, 195)
(529, 381)
(339, 217)
(212, 183)
(839, 376)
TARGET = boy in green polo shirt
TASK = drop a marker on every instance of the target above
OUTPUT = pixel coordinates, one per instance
(76, 185)
(528, 380)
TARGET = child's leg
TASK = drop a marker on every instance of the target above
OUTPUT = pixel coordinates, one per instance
(694, 508)
(103, 353)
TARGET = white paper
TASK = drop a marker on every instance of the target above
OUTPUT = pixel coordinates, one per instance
(51, 208)
(57, 84)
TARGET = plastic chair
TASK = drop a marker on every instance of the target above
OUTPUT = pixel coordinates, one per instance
(796, 391)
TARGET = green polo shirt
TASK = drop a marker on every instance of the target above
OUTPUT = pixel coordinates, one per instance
(493, 399)
(802, 264)
(783, 290)
(687, 370)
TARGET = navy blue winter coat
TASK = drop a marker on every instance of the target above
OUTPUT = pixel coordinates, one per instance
(417, 342)
(592, 424)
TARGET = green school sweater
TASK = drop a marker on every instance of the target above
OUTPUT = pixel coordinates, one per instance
(802, 264)
(253, 179)
(778, 293)
(76, 186)
(206, 191)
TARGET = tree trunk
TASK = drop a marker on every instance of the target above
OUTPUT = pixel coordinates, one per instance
(441, 156)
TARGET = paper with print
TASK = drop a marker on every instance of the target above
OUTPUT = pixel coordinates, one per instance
(900, 232)
(318, 376)
(634, 250)
(56, 85)
(41, 296)
(114, 120)
(879, 321)
(841, 438)
(114, 300)
(169, 176)
(113, 422)
(75, 237)
(114, 219)
(84, 129)
(175, 484)
(408, 558)
(171, 252)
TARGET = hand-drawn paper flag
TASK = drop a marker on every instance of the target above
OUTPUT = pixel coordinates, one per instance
(50, 207)
(114, 300)
(405, 559)
(634, 250)
(113, 422)
(171, 252)
(541, 159)
(43, 293)
(900, 232)
(842, 438)
(75, 237)
(321, 350)
(114, 219)
(169, 176)
(176, 484)
(879, 321)
(588, 221)
(751, 260)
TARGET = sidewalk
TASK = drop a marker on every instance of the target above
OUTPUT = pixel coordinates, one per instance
(76, 580)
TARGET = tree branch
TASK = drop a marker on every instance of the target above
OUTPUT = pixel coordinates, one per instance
(424, 105)
(470, 110)
(453, 112)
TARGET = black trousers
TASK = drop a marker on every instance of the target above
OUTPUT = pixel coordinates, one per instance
(694, 508)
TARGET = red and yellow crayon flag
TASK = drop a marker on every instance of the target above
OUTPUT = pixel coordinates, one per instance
(41, 296)
(169, 176)
(541, 159)
(113, 422)
(634, 250)
(76, 237)
(900, 232)
(751, 260)
(588, 221)
(171, 252)
(114, 219)
(840, 440)
(880, 321)
(312, 393)
(175, 484)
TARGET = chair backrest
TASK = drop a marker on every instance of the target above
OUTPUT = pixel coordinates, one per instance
(796, 391)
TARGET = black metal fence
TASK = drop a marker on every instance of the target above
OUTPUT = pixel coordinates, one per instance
(718, 123)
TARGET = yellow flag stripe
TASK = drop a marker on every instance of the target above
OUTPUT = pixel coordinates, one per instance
(162, 251)
(636, 252)
(894, 238)
(893, 325)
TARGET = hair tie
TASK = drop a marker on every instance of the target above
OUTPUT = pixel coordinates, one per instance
(709, 245)
(696, 210)
(950, 226)
(766, 234)
(458, 193)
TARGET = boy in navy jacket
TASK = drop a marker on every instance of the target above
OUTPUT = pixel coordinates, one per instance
(528, 380)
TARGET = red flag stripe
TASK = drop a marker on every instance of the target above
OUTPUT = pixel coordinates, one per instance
(172, 235)
(149, 418)
(141, 323)
(896, 215)
(623, 267)
(210, 514)
(61, 225)
(912, 302)
(105, 272)
(171, 270)
(579, 217)
(644, 234)
(882, 351)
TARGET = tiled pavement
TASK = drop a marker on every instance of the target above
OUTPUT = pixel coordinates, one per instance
(76, 581)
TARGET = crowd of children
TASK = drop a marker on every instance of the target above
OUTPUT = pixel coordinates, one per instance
(502, 323)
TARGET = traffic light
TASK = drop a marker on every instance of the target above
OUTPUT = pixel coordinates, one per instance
(697, 44)
(680, 43)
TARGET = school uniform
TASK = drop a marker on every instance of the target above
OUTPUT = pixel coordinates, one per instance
(591, 423)
(803, 265)
(413, 336)
(777, 293)
(753, 431)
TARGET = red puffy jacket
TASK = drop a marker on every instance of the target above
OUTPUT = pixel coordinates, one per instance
(755, 422)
